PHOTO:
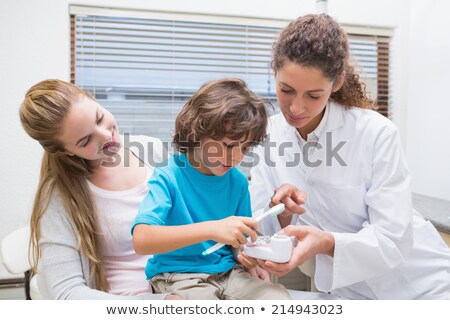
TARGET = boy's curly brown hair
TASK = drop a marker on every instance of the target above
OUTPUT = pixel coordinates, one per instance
(221, 108)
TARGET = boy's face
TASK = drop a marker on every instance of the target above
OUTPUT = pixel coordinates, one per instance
(217, 157)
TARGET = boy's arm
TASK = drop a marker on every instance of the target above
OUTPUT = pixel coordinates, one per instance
(152, 236)
(154, 239)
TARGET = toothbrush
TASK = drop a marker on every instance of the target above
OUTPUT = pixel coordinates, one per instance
(279, 208)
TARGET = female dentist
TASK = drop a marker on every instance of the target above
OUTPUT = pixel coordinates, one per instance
(358, 221)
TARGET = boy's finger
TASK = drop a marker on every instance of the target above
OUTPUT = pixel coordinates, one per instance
(250, 233)
(242, 239)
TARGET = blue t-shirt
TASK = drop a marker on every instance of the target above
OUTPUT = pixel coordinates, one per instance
(180, 195)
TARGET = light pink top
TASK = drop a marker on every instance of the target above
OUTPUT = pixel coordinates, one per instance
(124, 268)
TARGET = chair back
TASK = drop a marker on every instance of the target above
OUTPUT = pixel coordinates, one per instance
(16, 257)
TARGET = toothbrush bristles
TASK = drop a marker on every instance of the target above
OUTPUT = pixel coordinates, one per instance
(278, 209)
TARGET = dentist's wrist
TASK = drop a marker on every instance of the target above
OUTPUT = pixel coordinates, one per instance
(329, 244)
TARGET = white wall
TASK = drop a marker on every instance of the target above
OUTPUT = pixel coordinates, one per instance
(428, 108)
(34, 38)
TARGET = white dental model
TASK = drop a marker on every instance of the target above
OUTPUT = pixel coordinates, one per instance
(279, 208)
(277, 248)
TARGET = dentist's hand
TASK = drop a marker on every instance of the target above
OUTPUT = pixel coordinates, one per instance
(291, 196)
(311, 241)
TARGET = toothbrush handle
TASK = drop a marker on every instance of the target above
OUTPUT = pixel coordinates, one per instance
(213, 248)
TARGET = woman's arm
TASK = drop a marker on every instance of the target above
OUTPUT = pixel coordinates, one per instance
(63, 270)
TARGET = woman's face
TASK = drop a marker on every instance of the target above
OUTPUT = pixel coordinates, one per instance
(89, 131)
(303, 93)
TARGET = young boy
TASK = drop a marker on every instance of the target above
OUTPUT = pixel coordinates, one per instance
(200, 196)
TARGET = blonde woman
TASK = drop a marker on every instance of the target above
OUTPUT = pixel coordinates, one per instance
(87, 196)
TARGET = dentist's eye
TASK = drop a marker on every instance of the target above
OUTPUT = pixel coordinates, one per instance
(286, 90)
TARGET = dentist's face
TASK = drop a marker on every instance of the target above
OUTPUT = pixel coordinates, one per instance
(89, 131)
(302, 93)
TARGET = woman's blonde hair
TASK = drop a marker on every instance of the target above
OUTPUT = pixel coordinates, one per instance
(42, 113)
(318, 41)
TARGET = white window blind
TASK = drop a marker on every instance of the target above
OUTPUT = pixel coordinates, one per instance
(143, 69)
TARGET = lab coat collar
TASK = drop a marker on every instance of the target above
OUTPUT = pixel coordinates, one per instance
(335, 117)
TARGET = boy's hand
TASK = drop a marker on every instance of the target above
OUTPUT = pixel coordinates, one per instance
(234, 230)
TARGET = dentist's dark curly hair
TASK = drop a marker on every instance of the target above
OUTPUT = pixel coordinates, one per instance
(318, 41)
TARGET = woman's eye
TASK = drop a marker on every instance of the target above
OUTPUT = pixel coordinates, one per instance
(286, 90)
(314, 97)
(101, 118)
(87, 142)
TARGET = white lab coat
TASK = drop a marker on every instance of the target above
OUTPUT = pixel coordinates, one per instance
(384, 249)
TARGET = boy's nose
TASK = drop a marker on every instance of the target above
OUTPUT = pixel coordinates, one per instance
(234, 156)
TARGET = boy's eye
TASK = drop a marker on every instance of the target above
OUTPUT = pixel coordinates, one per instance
(314, 97)
(100, 118)
(228, 146)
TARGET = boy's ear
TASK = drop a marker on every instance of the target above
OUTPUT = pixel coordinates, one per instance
(339, 82)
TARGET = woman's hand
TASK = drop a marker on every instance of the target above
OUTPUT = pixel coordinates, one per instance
(234, 230)
(259, 273)
(311, 241)
(292, 197)
(245, 260)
